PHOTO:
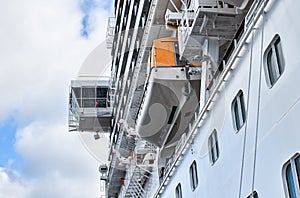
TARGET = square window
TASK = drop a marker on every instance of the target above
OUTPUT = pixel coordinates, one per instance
(102, 92)
(88, 93)
(274, 61)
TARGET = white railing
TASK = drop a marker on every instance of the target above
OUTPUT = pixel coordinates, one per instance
(141, 162)
(110, 33)
(79, 105)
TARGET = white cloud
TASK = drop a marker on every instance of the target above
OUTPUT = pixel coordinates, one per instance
(56, 162)
(41, 50)
(10, 185)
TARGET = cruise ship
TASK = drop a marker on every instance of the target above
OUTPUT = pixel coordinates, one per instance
(202, 100)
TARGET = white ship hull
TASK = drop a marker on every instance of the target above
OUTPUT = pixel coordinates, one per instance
(252, 159)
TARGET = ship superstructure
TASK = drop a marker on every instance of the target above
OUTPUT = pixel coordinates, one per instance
(203, 99)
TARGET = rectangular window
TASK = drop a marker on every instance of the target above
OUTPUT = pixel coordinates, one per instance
(213, 147)
(274, 61)
(238, 111)
(102, 92)
(291, 176)
(178, 191)
(193, 176)
(88, 93)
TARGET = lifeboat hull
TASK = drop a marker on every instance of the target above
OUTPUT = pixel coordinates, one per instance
(168, 105)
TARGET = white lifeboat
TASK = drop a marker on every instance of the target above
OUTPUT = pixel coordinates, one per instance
(171, 96)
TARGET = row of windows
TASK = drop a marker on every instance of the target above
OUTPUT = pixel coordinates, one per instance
(291, 177)
(90, 92)
(291, 172)
(274, 67)
(193, 180)
(239, 118)
(194, 183)
(90, 97)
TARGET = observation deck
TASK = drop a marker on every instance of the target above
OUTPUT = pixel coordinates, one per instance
(90, 106)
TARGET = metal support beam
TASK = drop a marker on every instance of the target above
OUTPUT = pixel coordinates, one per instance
(204, 75)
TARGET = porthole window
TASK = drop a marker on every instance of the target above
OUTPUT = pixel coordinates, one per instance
(213, 147)
(238, 111)
(291, 176)
(273, 61)
(178, 191)
(193, 176)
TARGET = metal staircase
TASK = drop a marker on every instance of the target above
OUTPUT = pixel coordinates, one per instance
(140, 168)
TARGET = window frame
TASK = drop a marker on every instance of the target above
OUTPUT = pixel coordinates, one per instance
(213, 146)
(193, 175)
(294, 166)
(178, 191)
(238, 110)
(274, 55)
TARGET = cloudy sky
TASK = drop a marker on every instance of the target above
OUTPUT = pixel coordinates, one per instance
(42, 46)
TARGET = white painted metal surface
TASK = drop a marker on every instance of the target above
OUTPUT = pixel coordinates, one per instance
(252, 158)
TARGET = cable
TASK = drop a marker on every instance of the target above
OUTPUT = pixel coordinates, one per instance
(258, 99)
(247, 114)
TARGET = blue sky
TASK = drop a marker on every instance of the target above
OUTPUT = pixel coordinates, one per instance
(43, 44)
(88, 6)
(7, 141)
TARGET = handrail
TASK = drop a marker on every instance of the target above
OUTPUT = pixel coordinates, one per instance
(135, 166)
